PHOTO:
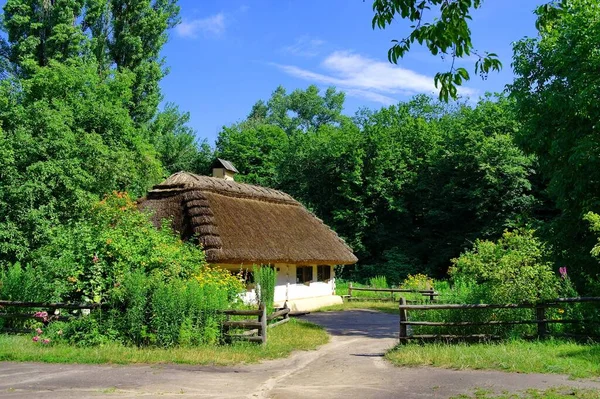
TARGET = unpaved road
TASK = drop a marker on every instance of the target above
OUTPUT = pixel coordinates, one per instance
(350, 366)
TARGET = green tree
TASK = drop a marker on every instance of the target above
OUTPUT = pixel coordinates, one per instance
(300, 110)
(176, 143)
(126, 35)
(67, 139)
(256, 149)
(554, 90)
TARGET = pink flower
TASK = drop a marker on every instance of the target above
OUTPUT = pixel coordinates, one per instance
(41, 315)
(39, 331)
(95, 259)
(36, 338)
(563, 272)
(46, 341)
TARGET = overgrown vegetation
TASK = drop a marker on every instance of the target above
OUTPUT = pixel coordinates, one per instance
(156, 289)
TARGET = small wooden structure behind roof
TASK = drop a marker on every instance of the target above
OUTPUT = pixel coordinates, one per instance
(244, 224)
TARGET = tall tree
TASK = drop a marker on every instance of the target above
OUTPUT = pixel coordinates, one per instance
(556, 88)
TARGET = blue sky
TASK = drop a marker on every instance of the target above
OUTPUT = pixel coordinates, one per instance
(226, 55)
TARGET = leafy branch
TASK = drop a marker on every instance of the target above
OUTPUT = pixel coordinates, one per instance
(446, 35)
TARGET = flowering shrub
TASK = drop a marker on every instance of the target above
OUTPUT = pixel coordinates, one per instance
(417, 282)
(154, 284)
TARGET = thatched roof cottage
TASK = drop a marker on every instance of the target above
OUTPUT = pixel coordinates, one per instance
(240, 225)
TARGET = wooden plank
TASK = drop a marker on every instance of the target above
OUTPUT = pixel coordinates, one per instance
(542, 325)
(576, 300)
(478, 306)
(240, 312)
(50, 305)
(31, 316)
(279, 313)
(242, 324)
(485, 323)
(424, 292)
(263, 323)
(254, 338)
(403, 319)
(447, 336)
(282, 321)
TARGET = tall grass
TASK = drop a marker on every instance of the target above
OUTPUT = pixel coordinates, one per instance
(265, 278)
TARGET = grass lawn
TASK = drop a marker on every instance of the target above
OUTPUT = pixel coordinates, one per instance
(552, 356)
(553, 393)
(387, 307)
(282, 340)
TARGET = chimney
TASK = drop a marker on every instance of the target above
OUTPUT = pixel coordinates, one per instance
(222, 169)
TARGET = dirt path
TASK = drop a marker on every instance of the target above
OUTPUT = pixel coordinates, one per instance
(350, 366)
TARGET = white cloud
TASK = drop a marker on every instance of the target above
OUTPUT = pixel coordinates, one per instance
(370, 79)
(305, 46)
(213, 25)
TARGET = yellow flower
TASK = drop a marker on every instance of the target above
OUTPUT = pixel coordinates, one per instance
(561, 311)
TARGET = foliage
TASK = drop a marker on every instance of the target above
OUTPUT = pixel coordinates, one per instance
(67, 139)
(417, 282)
(512, 270)
(378, 282)
(158, 289)
(122, 35)
(176, 142)
(266, 279)
(408, 187)
(555, 80)
(448, 34)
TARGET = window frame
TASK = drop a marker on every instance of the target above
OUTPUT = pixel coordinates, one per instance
(302, 270)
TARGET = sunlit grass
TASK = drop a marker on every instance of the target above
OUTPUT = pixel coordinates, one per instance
(552, 356)
(282, 340)
(552, 393)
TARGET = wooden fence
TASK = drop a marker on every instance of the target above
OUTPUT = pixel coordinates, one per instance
(540, 318)
(257, 329)
(426, 293)
(50, 312)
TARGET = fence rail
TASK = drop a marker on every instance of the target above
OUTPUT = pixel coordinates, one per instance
(257, 329)
(427, 293)
(540, 317)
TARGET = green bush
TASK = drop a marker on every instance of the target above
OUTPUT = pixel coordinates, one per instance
(512, 270)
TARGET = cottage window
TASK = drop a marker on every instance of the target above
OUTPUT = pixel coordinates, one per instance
(323, 272)
(304, 274)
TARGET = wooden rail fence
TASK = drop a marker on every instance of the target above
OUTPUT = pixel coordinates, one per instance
(540, 317)
(427, 293)
(257, 329)
(50, 312)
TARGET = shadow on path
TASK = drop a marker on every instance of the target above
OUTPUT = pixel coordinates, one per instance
(366, 323)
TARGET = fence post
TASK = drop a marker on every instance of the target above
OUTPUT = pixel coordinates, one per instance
(403, 317)
(350, 291)
(287, 315)
(540, 313)
(263, 322)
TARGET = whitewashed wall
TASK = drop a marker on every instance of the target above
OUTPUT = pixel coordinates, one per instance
(287, 289)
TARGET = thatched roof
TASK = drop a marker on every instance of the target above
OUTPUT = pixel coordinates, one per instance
(242, 223)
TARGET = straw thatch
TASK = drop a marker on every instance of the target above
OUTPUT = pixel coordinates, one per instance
(241, 223)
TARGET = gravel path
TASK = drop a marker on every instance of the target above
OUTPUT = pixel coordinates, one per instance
(350, 366)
